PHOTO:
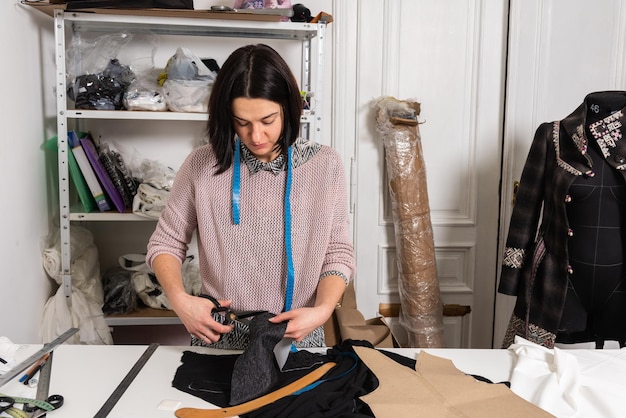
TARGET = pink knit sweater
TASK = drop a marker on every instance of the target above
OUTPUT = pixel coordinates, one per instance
(246, 263)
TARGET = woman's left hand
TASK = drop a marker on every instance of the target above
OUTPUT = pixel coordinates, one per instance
(302, 321)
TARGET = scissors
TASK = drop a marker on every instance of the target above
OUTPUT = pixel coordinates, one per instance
(230, 315)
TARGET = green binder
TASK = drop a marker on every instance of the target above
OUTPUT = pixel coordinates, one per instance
(84, 194)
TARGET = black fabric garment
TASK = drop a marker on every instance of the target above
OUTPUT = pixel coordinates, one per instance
(337, 396)
(205, 376)
(209, 376)
(536, 262)
(595, 304)
(235, 379)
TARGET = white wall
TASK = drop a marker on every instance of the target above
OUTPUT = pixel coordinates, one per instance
(26, 123)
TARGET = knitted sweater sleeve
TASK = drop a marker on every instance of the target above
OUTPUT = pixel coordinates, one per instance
(340, 252)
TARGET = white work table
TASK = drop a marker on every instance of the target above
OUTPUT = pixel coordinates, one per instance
(87, 375)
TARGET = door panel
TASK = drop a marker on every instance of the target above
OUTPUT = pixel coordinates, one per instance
(449, 56)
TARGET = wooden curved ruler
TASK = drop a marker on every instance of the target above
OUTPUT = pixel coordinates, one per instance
(257, 403)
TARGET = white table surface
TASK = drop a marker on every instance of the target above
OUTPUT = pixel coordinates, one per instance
(87, 375)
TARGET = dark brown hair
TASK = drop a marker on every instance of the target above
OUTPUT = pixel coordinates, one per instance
(255, 72)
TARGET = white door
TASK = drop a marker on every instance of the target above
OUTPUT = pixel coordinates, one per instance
(449, 56)
(559, 51)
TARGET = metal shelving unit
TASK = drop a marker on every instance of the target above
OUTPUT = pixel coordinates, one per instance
(67, 24)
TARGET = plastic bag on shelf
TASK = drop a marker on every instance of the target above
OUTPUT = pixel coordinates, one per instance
(149, 201)
(190, 96)
(185, 65)
(144, 93)
(100, 70)
(87, 55)
(146, 286)
(152, 193)
(152, 172)
(119, 293)
(187, 82)
(102, 91)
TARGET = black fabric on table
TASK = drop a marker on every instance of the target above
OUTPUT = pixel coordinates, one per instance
(337, 397)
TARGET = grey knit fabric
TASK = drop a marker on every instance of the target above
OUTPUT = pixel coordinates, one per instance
(256, 371)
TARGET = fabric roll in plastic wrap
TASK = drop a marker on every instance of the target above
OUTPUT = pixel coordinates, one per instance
(421, 312)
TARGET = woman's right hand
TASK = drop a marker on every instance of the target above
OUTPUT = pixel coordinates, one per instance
(195, 313)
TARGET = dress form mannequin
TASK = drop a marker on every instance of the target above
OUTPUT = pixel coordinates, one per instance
(595, 306)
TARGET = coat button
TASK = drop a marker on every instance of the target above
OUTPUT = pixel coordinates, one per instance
(570, 270)
(589, 174)
(570, 232)
(568, 198)
(619, 159)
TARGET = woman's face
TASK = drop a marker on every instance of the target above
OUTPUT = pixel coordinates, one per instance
(259, 124)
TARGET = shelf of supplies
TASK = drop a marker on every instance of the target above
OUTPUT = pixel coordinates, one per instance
(134, 115)
(307, 117)
(70, 26)
(49, 7)
(109, 216)
(183, 22)
(144, 316)
(77, 215)
(192, 27)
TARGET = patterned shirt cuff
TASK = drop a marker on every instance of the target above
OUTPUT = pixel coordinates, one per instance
(335, 273)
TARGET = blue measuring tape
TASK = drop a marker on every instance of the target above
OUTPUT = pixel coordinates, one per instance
(236, 198)
(330, 379)
(236, 207)
(236, 202)
(288, 250)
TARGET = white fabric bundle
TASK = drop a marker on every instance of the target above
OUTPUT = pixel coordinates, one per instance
(83, 310)
(569, 383)
(147, 287)
(83, 314)
(149, 201)
(81, 239)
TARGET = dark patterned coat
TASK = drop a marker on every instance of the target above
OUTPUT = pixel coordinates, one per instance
(535, 264)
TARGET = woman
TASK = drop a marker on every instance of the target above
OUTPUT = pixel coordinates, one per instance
(270, 209)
